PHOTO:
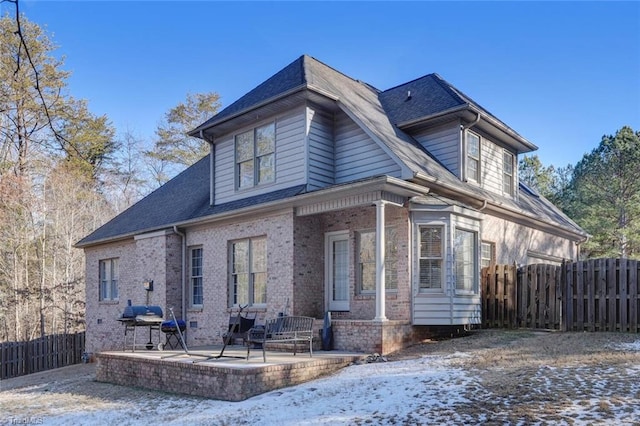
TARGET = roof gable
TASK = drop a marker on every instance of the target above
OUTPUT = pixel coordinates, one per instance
(362, 102)
(185, 198)
(288, 78)
(422, 97)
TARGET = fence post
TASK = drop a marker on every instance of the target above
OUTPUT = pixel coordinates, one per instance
(512, 296)
(591, 300)
(602, 294)
(633, 296)
(612, 293)
(560, 295)
(622, 276)
(554, 301)
(568, 297)
(490, 276)
(523, 294)
(2, 360)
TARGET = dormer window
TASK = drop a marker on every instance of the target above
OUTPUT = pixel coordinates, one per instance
(255, 156)
(473, 157)
(507, 173)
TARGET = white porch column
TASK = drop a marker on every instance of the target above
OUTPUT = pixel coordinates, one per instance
(380, 259)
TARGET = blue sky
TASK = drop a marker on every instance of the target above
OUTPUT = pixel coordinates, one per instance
(562, 74)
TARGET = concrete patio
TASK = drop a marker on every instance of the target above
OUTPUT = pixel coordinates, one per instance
(202, 372)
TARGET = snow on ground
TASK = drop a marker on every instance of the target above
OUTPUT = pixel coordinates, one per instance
(431, 390)
(630, 346)
(425, 390)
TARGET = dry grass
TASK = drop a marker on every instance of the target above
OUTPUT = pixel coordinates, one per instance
(519, 377)
(537, 375)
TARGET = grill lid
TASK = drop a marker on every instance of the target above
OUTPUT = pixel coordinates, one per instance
(133, 311)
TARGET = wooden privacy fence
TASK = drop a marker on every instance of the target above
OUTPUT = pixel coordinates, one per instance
(592, 295)
(60, 350)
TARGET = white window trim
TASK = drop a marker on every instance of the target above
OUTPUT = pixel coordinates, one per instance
(512, 176)
(191, 277)
(256, 170)
(492, 259)
(251, 283)
(476, 266)
(445, 244)
(387, 261)
(468, 155)
(329, 238)
(108, 295)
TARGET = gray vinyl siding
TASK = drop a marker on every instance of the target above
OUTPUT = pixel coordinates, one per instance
(466, 310)
(445, 306)
(358, 156)
(223, 181)
(443, 142)
(466, 307)
(321, 152)
(290, 158)
(443, 310)
(491, 166)
(432, 309)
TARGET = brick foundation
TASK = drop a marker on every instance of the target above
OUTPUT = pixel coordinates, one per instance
(382, 337)
(212, 381)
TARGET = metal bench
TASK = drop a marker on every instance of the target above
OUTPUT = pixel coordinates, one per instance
(284, 329)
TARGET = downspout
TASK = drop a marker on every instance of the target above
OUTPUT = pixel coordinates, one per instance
(463, 162)
(183, 270)
(474, 122)
(464, 156)
(578, 244)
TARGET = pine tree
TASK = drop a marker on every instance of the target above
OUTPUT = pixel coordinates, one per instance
(174, 150)
(606, 190)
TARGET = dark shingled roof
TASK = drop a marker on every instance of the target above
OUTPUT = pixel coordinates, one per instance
(173, 202)
(428, 96)
(362, 101)
(183, 198)
(186, 197)
(538, 206)
(284, 80)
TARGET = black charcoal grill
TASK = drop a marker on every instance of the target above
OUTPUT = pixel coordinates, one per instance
(135, 316)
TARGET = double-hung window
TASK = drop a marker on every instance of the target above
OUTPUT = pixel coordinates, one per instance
(109, 272)
(367, 261)
(195, 278)
(431, 257)
(507, 173)
(255, 156)
(473, 157)
(488, 254)
(465, 257)
(248, 271)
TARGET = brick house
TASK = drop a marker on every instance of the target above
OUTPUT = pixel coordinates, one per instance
(323, 193)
